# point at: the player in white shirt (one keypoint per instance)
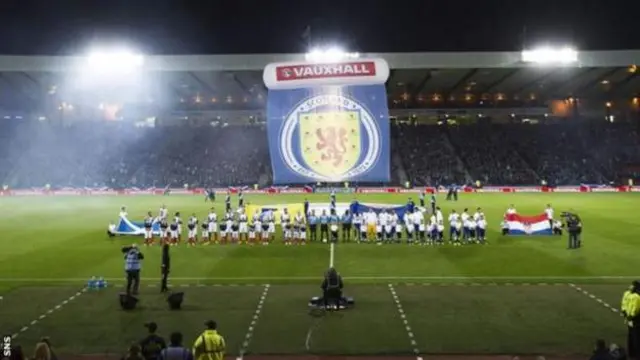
(111, 230)
(148, 229)
(478, 214)
(420, 226)
(364, 228)
(213, 225)
(393, 223)
(549, 212)
(235, 227)
(439, 216)
(123, 212)
(175, 235)
(299, 229)
(466, 225)
(458, 231)
(192, 225)
(432, 229)
(472, 230)
(504, 225)
(287, 230)
(357, 222)
(272, 225)
(243, 226)
(397, 226)
(178, 220)
(440, 225)
(225, 228)
(557, 227)
(251, 230)
(165, 230)
(454, 217)
(481, 230)
(380, 226)
(163, 213)
(511, 210)
(255, 227)
(385, 223)
(205, 231)
(408, 223)
(265, 227)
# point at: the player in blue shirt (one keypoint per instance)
(411, 206)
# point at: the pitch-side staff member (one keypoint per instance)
(210, 345)
(166, 266)
(132, 266)
(631, 310)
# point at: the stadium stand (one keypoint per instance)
(511, 123)
(116, 155)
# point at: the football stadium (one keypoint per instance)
(475, 205)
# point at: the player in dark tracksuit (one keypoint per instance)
(433, 203)
(227, 202)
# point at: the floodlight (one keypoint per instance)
(547, 55)
(114, 61)
(109, 70)
(330, 54)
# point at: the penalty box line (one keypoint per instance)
(595, 298)
(49, 312)
(254, 322)
(407, 326)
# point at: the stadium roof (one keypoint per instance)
(597, 74)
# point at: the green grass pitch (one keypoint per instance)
(517, 295)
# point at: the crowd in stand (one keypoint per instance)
(119, 155)
(210, 345)
(426, 156)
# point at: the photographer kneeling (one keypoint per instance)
(332, 288)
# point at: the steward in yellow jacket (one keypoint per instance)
(630, 309)
(209, 345)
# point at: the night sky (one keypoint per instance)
(29, 27)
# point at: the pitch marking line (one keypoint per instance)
(595, 298)
(331, 254)
(403, 316)
(548, 279)
(254, 322)
(49, 312)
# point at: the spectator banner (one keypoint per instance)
(328, 122)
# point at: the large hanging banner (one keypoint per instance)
(328, 122)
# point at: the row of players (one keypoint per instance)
(384, 226)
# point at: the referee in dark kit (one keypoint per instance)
(165, 267)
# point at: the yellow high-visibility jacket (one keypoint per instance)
(209, 346)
